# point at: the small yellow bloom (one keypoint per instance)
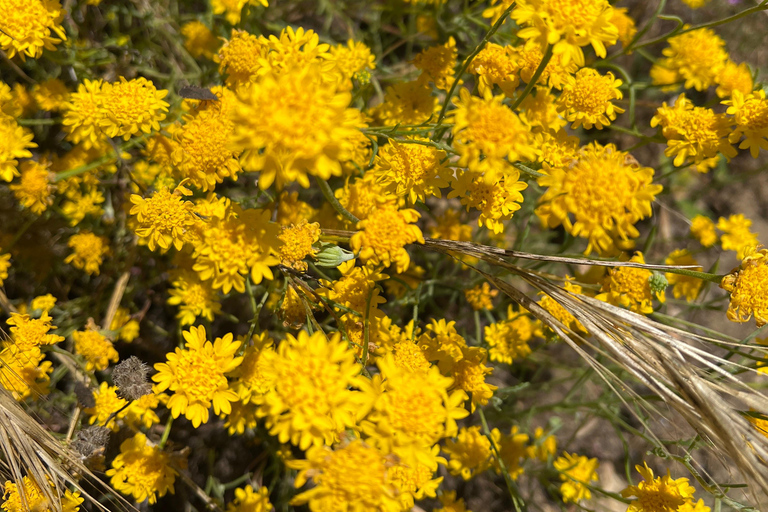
(568, 25)
(748, 286)
(88, 251)
(437, 64)
(248, 499)
(83, 113)
(34, 190)
(131, 107)
(15, 142)
(480, 296)
(28, 332)
(629, 287)
(196, 376)
(698, 56)
(29, 26)
(587, 99)
(508, 339)
(703, 230)
(734, 77)
(471, 453)
(97, 350)
(384, 235)
(736, 234)
(35, 499)
(351, 478)
(165, 219)
(298, 241)
(750, 112)
(199, 40)
(683, 286)
(659, 493)
(142, 470)
(576, 472)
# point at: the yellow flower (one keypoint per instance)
(586, 99)
(415, 482)
(471, 453)
(693, 132)
(142, 470)
(383, 236)
(697, 56)
(496, 65)
(83, 113)
(132, 106)
(248, 499)
(196, 298)
(292, 124)
(44, 303)
(34, 190)
(683, 286)
(736, 234)
(734, 77)
(29, 26)
(128, 328)
(203, 153)
(5, 264)
(451, 504)
(232, 8)
(695, 4)
(410, 411)
(88, 251)
(629, 287)
(255, 376)
(545, 445)
(78, 206)
(298, 240)
(555, 74)
(165, 219)
(243, 244)
(496, 9)
(352, 478)
(437, 64)
(407, 103)
(23, 371)
(239, 57)
(355, 288)
(599, 196)
(558, 311)
(353, 60)
(51, 95)
(703, 230)
(480, 296)
(365, 195)
(568, 25)
(28, 332)
(486, 131)
(107, 404)
(748, 287)
(512, 448)
(750, 112)
(625, 24)
(658, 494)
(495, 195)
(508, 339)
(199, 40)
(539, 111)
(311, 403)
(664, 74)
(576, 472)
(411, 169)
(97, 350)
(15, 142)
(34, 498)
(196, 376)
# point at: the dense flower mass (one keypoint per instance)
(424, 255)
(598, 196)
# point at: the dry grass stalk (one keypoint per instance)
(695, 382)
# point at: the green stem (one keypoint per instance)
(39, 122)
(535, 78)
(518, 503)
(166, 432)
(469, 59)
(706, 276)
(328, 194)
(99, 162)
